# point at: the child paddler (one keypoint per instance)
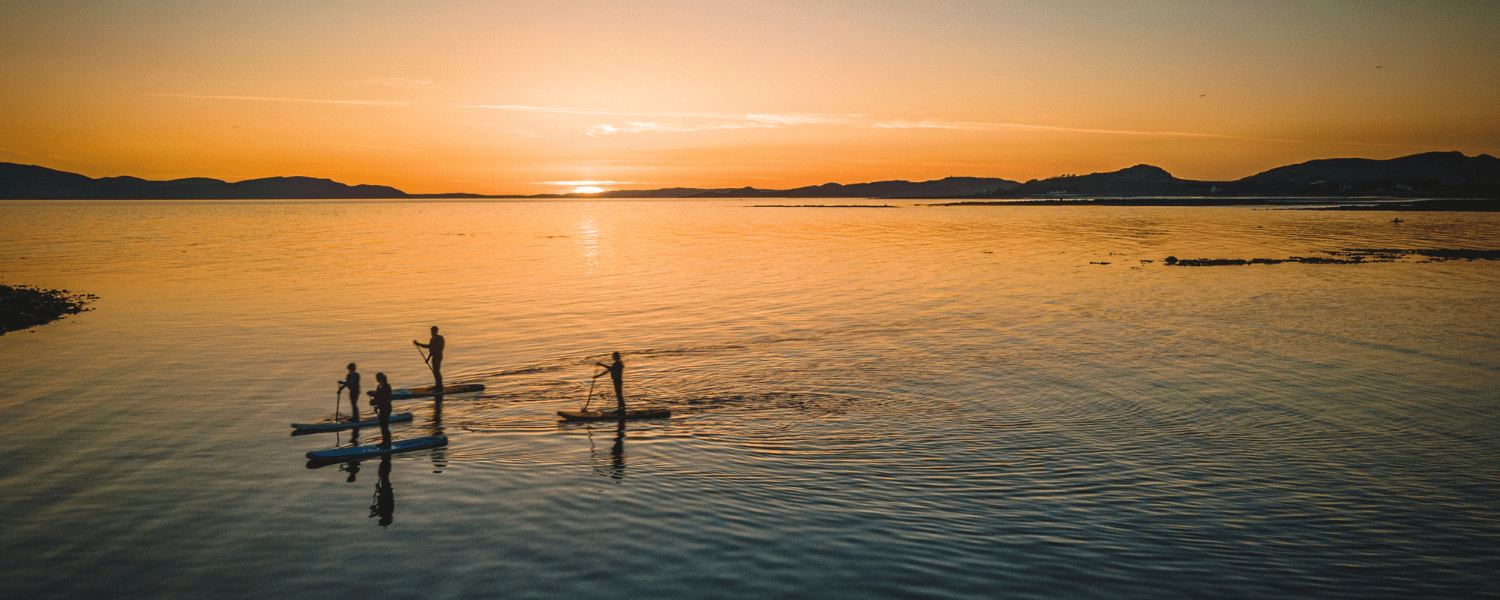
(351, 381)
(381, 400)
(616, 372)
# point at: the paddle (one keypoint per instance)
(426, 359)
(591, 393)
(336, 398)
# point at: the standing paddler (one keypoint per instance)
(435, 359)
(381, 400)
(617, 374)
(351, 381)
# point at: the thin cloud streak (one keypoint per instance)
(728, 121)
(380, 147)
(803, 119)
(640, 127)
(775, 121)
(271, 99)
(402, 82)
(974, 126)
(598, 111)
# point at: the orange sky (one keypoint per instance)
(535, 97)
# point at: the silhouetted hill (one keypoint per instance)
(948, 187)
(1432, 174)
(308, 187)
(40, 183)
(1429, 171)
(1140, 180)
(676, 192)
(1428, 174)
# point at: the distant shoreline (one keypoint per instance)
(1340, 204)
(1431, 175)
(1357, 203)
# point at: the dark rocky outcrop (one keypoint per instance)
(25, 307)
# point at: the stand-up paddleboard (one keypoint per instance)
(354, 452)
(431, 390)
(337, 425)
(630, 413)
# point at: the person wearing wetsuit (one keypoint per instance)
(351, 381)
(617, 373)
(435, 359)
(381, 400)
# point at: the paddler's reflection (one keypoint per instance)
(439, 454)
(617, 454)
(385, 496)
(352, 468)
(436, 426)
(616, 468)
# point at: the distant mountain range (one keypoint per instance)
(948, 187)
(40, 183)
(1429, 174)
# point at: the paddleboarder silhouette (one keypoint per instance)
(381, 400)
(435, 359)
(616, 372)
(351, 381)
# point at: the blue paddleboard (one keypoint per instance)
(337, 425)
(432, 390)
(353, 452)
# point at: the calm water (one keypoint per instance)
(869, 403)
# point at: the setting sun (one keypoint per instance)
(587, 189)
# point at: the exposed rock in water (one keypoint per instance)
(25, 307)
(1435, 253)
(1347, 256)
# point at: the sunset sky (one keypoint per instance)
(557, 96)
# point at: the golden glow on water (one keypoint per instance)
(906, 402)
